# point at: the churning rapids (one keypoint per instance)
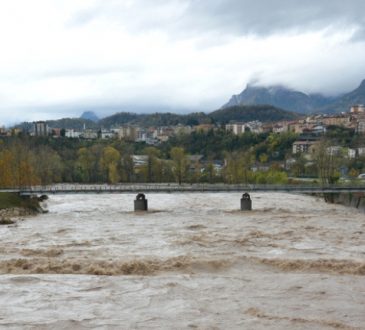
(192, 262)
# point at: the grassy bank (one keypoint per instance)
(13, 200)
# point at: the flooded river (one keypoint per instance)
(192, 262)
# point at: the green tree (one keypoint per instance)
(327, 163)
(84, 164)
(153, 168)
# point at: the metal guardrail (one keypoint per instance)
(172, 187)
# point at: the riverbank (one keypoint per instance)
(13, 205)
(356, 199)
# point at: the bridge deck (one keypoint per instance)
(191, 188)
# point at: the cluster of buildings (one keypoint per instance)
(242, 127)
(313, 125)
(311, 146)
(134, 133)
(310, 129)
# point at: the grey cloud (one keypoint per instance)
(265, 17)
(359, 35)
(236, 17)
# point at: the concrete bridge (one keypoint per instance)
(186, 188)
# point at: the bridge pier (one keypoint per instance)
(140, 203)
(246, 202)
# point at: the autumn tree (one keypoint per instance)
(110, 164)
(7, 174)
(238, 167)
(17, 166)
(180, 163)
(48, 165)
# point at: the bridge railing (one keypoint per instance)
(174, 187)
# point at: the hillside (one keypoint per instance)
(263, 113)
(154, 119)
(344, 103)
(280, 97)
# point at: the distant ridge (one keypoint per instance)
(344, 103)
(263, 113)
(280, 97)
(296, 101)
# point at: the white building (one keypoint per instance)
(361, 151)
(358, 108)
(236, 128)
(40, 128)
(70, 133)
(89, 134)
(254, 126)
(107, 134)
(302, 146)
(334, 150)
(351, 153)
(127, 132)
(360, 127)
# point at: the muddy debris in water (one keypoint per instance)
(298, 320)
(144, 267)
(196, 227)
(6, 221)
(333, 266)
(41, 252)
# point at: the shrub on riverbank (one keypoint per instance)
(29, 204)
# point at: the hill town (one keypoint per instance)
(237, 143)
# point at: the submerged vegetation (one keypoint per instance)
(13, 200)
(14, 205)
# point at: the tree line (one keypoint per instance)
(248, 158)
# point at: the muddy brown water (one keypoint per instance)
(193, 262)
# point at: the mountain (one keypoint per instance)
(90, 115)
(263, 113)
(280, 97)
(344, 103)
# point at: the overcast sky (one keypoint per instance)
(59, 58)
